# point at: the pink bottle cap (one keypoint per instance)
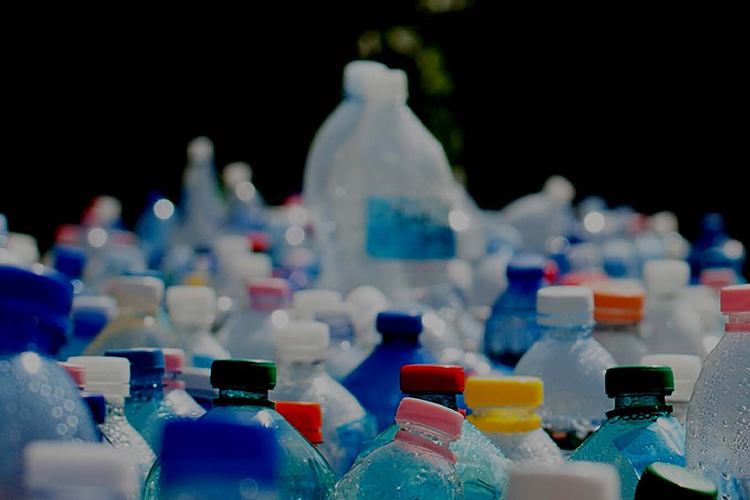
(174, 360)
(431, 415)
(76, 372)
(735, 299)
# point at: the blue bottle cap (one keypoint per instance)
(97, 406)
(400, 323)
(712, 223)
(70, 261)
(144, 361)
(87, 323)
(526, 267)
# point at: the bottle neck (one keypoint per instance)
(525, 286)
(507, 419)
(639, 404)
(425, 437)
(115, 406)
(294, 372)
(147, 387)
(267, 301)
(738, 323)
(171, 381)
(401, 341)
(567, 331)
(237, 397)
(447, 399)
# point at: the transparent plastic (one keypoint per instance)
(119, 433)
(622, 341)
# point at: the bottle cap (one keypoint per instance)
(191, 305)
(367, 297)
(144, 361)
(236, 173)
(228, 245)
(526, 267)
(432, 415)
(503, 391)
(97, 406)
(174, 360)
(718, 279)
(564, 305)
(559, 188)
(735, 299)
(275, 287)
(103, 303)
(622, 380)
(308, 302)
(665, 278)
(586, 277)
(660, 480)
(76, 372)
(243, 374)
(685, 369)
(200, 150)
(70, 261)
(392, 84)
(107, 375)
(249, 266)
(359, 74)
(570, 481)
(302, 341)
(307, 418)
(141, 293)
(400, 323)
(432, 378)
(25, 246)
(618, 301)
(712, 223)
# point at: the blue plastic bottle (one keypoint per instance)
(640, 430)
(146, 409)
(70, 261)
(712, 235)
(90, 314)
(375, 383)
(38, 400)
(417, 464)
(511, 328)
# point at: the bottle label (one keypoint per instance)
(659, 442)
(409, 229)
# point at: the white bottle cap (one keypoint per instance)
(24, 246)
(560, 189)
(200, 150)
(302, 341)
(248, 266)
(359, 74)
(571, 481)
(141, 293)
(107, 210)
(663, 223)
(564, 305)
(366, 298)
(665, 278)
(227, 246)
(236, 173)
(108, 375)
(392, 85)
(104, 303)
(52, 464)
(307, 303)
(191, 305)
(686, 369)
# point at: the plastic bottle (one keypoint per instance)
(198, 385)
(307, 418)
(661, 480)
(570, 481)
(511, 328)
(250, 333)
(243, 268)
(618, 310)
(177, 397)
(81, 471)
(704, 301)
(245, 205)
(156, 228)
(718, 420)
(685, 369)
(640, 429)
(375, 383)
(71, 261)
(90, 314)
(110, 376)
(670, 326)
(571, 363)
(712, 235)
(38, 399)
(138, 322)
(76, 372)
(24, 246)
(416, 464)
(503, 408)
(201, 208)
(146, 409)
(191, 312)
(301, 348)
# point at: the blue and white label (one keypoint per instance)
(409, 229)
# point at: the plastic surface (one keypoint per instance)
(735, 299)
(572, 481)
(105, 374)
(665, 277)
(76, 372)
(504, 391)
(141, 293)
(623, 380)
(439, 418)
(686, 370)
(307, 303)
(564, 305)
(243, 374)
(191, 305)
(434, 378)
(669, 481)
(305, 417)
(302, 341)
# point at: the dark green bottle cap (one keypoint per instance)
(243, 374)
(665, 481)
(622, 380)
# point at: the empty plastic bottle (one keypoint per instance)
(38, 399)
(571, 363)
(78, 471)
(718, 420)
(90, 314)
(110, 376)
(416, 464)
(511, 328)
(202, 212)
(503, 408)
(301, 348)
(191, 311)
(307, 418)
(685, 369)
(177, 397)
(146, 409)
(661, 480)
(618, 310)
(375, 383)
(570, 481)
(640, 430)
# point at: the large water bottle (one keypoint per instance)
(504, 409)
(301, 348)
(718, 420)
(511, 328)
(571, 481)
(177, 397)
(640, 430)
(661, 480)
(685, 369)
(416, 464)
(110, 377)
(146, 409)
(202, 212)
(618, 310)
(191, 311)
(375, 383)
(90, 314)
(571, 363)
(38, 400)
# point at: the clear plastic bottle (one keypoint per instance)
(618, 309)
(110, 376)
(416, 464)
(301, 348)
(242, 268)
(38, 400)
(245, 205)
(375, 383)
(661, 480)
(570, 481)
(177, 397)
(571, 363)
(503, 408)
(146, 409)
(718, 420)
(686, 370)
(192, 310)
(202, 211)
(640, 429)
(511, 328)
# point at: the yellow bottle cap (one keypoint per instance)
(503, 391)
(504, 421)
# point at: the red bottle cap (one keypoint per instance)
(76, 372)
(307, 418)
(437, 378)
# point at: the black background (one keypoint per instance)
(643, 108)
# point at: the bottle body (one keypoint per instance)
(249, 335)
(622, 341)
(129, 332)
(148, 411)
(670, 326)
(119, 433)
(200, 346)
(511, 329)
(533, 446)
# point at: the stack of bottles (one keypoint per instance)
(379, 336)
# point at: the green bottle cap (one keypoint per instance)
(255, 375)
(666, 481)
(639, 380)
